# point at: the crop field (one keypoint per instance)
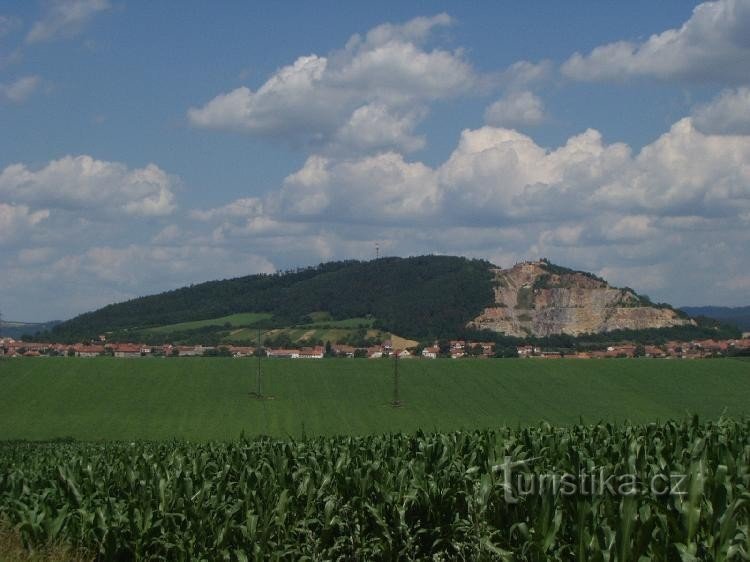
(206, 399)
(674, 491)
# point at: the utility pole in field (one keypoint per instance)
(259, 390)
(396, 395)
(259, 351)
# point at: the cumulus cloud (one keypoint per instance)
(65, 18)
(515, 110)
(380, 80)
(16, 220)
(711, 46)
(374, 127)
(728, 113)
(383, 187)
(20, 90)
(685, 172)
(81, 182)
(498, 175)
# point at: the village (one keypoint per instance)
(454, 349)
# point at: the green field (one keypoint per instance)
(241, 328)
(202, 399)
(233, 320)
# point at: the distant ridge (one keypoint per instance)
(16, 330)
(737, 316)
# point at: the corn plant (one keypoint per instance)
(440, 496)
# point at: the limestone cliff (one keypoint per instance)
(541, 299)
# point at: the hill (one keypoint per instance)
(418, 297)
(737, 316)
(16, 330)
(421, 298)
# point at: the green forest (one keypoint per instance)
(418, 297)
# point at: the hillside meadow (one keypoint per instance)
(206, 399)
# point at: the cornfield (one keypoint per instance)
(443, 496)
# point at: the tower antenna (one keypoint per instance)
(377, 250)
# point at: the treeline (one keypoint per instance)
(419, 297)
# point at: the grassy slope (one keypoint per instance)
(207, 398)
(237, 320)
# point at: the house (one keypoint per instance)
(374, 353)
(431, 352)
(654, 351)
(126, 350)
(189, 351)
(88, 350)
(241, 351)
(528, 350)
(402, 353)
(316, 352)
(344, 350)
(283, 353)
(457, 345)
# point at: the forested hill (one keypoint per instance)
(738, 316)
(427, 296)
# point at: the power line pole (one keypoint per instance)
(259, 351)
(396, 395)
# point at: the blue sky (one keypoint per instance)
(146, 146)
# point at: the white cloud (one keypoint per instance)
(135, 264)
(81, 182)
(65, 18)
(381, 80)
(522, 74)
(20, 90)
(710, 46)
(684, 179)
(728, 113)
(376, 188)
(685, 172)
(373, 127)
(16, 220)
(240, 208)
(515, 109)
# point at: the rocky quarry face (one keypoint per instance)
(541, 299)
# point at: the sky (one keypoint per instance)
(148, 146)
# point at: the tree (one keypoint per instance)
(445, 348)
(329, 349)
